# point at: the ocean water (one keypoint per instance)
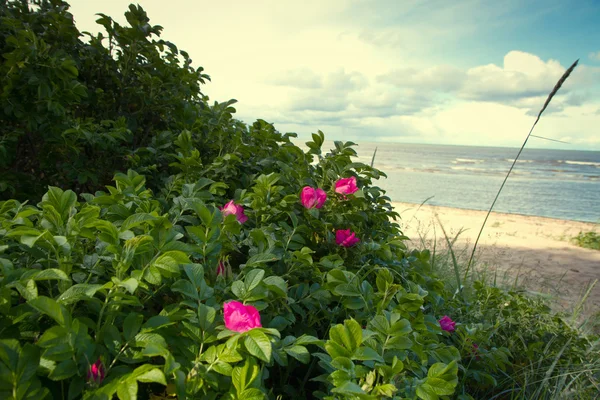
(562, 184)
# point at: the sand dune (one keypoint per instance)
(537, 250)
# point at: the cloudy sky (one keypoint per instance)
(420, 71)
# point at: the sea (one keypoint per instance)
(563, 184)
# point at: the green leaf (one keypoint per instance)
(50, 274)
(276, 285)
(243, 376)
(347, 289)
(252, 394)
(131, 325)
(169, 262)
(155, 375)
(426, 392)
(158, 321)
(195, 273)
(223, 368)
(261, 258)
(206, 316)
(239, 289)
(253, 278)
(63, 370)
(29, 361)
(51, 308)
(367, 354)
(258, 344)
(300, 353)
(28, 291)
(127, 390)
(78, 292)
(130, 284)
(185, 287)
(136, 220)
(61, 201)
(307, 339)
(349, 388)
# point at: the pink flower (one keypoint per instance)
(346, 186)
(238, 211)
(240, 318)
(447, 324)
(312, 197)
(221, 269)
(96, 372)
(346, 238)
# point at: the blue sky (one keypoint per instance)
(451, 72)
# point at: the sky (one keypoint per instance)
(466, 72)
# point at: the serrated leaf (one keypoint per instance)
(78, 292)
(276, 284)
(195, 273)
(243, 376)
(239, 289)
(253, 279)
(185, 287)
(258, 344)
(49, 274)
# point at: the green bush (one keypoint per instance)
(128, 291)
(589, 240)
(73, 112)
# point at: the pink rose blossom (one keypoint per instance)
(447, 324)
(238, 211)
(312, 197)
(220, 269)
(239, 317)
(96, 372)
(346, 186)
(346, 238)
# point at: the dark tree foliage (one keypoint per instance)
(76, 107)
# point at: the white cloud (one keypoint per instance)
(384, 70)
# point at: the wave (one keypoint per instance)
(519, 161)
(595, 164)
(468, 160)
(470, 169)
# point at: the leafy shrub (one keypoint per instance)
(74, 111)
(122, 279)
(589, 240)
(150, 287)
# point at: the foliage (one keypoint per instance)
(122, 292)
(589, 240)
(75, 111)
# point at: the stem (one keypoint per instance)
(550, 96)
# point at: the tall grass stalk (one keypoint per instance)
(550, 96)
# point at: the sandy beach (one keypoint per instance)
(537, 250)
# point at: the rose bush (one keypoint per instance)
(213, 275)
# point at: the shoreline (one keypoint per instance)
(534, 251)
(417, 205)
